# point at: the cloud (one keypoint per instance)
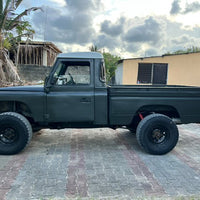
(181, 40)
(132, 47)
(77, 25)
(149, 32)
(106, 41)
(84, 5)
(175, 7)
(192, 7)
(26, 4)
(59, 2)
(111, 29)
(151, 52)
(189, 7)
(73, 24)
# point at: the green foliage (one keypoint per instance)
(23, 29)
(7, 44)
(94, 48)
(12, 26)
(111, 62)
(192, 49)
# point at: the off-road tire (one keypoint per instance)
(157, 134)
(15, 133)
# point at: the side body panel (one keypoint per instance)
(34, 99)
(125, 101)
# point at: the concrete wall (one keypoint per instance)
(119, 74)
(182, 69)
(33, 73)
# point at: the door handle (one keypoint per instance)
(85, 100)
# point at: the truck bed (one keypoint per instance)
(125, 101)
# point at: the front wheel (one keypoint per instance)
(15, 133)
(157, 134)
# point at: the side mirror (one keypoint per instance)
(46, 80)
(53, 80)
(47, 85)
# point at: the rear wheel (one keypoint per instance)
(15, 133)
(157, 134)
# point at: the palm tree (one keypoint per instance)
(11, 21)
(94, 48)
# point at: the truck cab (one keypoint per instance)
(77, 84)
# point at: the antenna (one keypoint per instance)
(45, 22)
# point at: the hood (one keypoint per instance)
(31, 88)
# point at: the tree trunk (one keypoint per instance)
(8, 71)
(2, 74)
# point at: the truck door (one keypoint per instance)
(71, 96)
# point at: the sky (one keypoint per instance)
(127, 28)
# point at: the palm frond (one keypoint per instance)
(17, 3)
(16, 20)
(4, 14)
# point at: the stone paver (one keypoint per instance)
(101, 164)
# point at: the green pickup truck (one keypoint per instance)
(75, 95)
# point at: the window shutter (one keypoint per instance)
(144, 73)
(160, 73)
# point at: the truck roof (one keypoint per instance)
(80, 55)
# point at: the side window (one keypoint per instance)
(72, 73)
(103, 72)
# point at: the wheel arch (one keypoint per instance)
(167, 110)
(18, 107)
(146, 110)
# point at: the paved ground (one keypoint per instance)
(101, 163)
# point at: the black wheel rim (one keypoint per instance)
(8, 135)
(158, 135)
